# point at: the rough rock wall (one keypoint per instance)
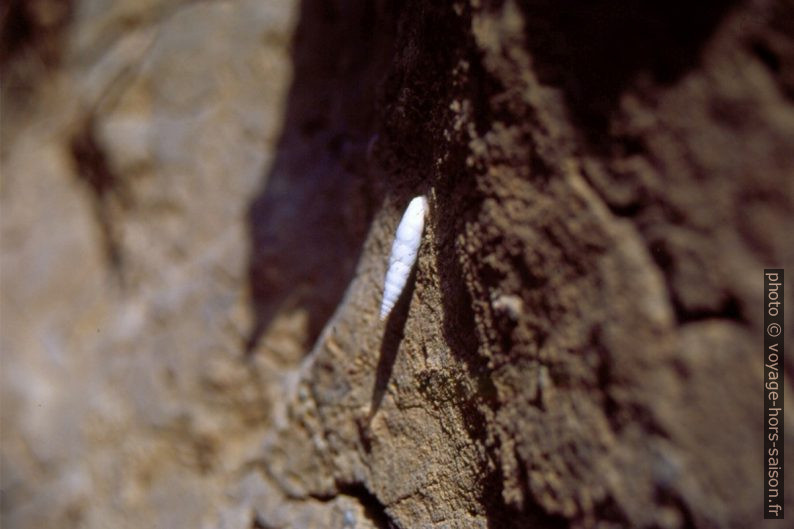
(198, 199)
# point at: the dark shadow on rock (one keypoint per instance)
(594, 50)
(307, 225)
(392, 336)
(481, 406)
(458, 203)
(24, 26)
(109, 193)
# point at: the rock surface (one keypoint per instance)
(197, 201)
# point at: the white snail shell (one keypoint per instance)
(403, 253)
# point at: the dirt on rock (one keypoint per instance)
(198, 200)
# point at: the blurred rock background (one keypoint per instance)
(197, 200)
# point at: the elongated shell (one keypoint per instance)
(403, 253)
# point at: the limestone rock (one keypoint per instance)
(197, 201)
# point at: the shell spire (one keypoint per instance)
(403, 253)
